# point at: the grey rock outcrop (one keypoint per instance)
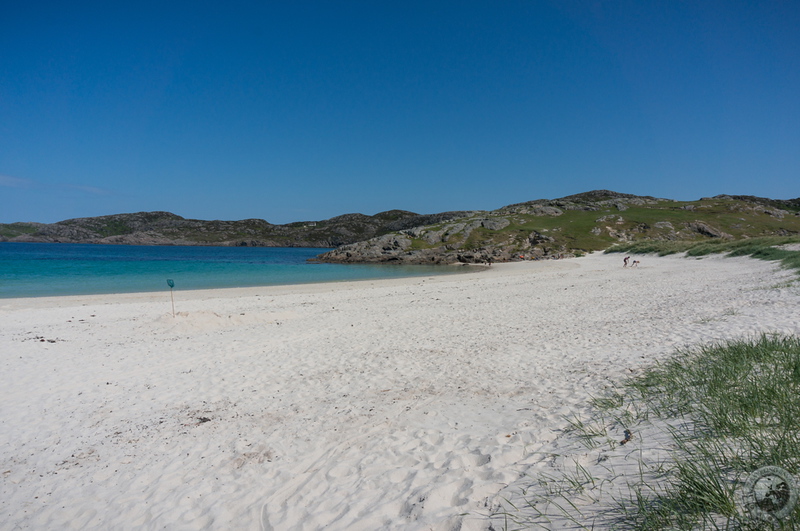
(386, 248)
(495, 224)
(707, 230)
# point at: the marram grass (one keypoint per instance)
(765, 248)
(730, 409)
(744, 400)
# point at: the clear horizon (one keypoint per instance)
(311, 110)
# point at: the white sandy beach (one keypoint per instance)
(400, 404)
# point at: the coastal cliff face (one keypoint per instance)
(540, 229)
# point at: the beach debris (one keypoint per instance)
(628, 437)
(42, 339)
(203, 419)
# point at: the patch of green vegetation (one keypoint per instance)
(478, 238)
(113, 227)
(744, 399)
(418, 244)
(572, 229)
(765, 248)
(12, 230)
(732, 217)
(728, 410)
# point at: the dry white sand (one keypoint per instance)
(399, 404)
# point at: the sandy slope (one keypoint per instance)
(402, 404)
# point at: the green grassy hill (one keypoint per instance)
(578, 224)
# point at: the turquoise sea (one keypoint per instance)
(48, 269)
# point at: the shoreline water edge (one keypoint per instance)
(50, 269)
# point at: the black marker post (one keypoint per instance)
(171, 285)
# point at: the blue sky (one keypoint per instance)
(292, 111)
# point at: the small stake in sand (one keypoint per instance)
(171, 285)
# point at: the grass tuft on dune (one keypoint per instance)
(770, 248)
(714, 415)
(743, 400)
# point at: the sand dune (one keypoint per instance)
(399, 404)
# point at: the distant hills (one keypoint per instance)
(535, 229)
(165, 228)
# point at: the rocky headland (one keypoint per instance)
(572, 226)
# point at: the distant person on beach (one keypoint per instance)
(635, 263)
(625, 261)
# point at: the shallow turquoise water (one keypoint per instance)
(47, 269)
